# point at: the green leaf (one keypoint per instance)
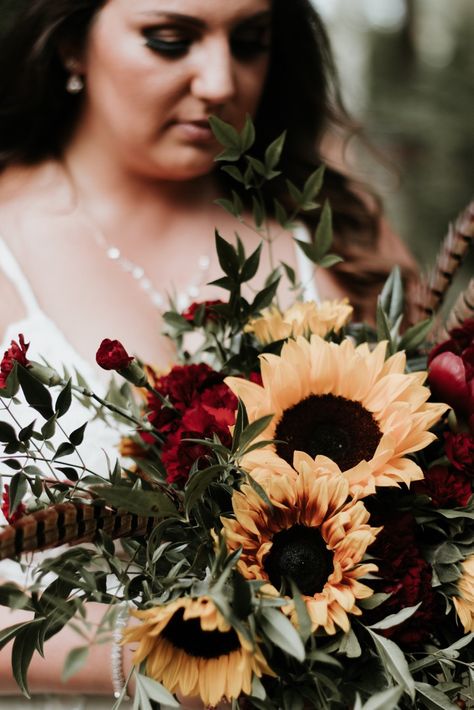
(416, 335)
(391, 296)
(74, 662)
(76, 437)
(257, 165)
(27, 431)
(350, 645)
(313, 184)
(434, 698)
(247, 137)
(384, 700)
(17, 490)
(36, 394)
(64, 400)
(329, 260)
(242, 596)
(49, 428)
(394, 662)
(235, 173)
(304, 619)
(22, 652)
(251, 265)
(290, 273)
(265, 297)
(226, 134)
(156, 691)
(383, 327)
(273, 152)
(258, 212)
(228, 258)
(7, 634)
(280, 213)
(323, 236)
(279, 629)
(7, 433)
(138, 502)
(64, 449)
(252, 431)
(396, 619)
(197, 484)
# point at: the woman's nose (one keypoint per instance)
(214, 78)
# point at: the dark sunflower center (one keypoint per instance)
(300, 554)
(189, 636)
(333, 426)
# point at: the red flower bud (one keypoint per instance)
(15, 353)
(447, 378)
(460, 451)
(111, 355)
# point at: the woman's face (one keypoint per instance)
(156, 69)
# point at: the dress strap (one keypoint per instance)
(12, 270)
(306, 268)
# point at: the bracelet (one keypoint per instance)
(116, 654)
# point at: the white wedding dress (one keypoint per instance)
(47, 341)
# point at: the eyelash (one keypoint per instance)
(243, 49)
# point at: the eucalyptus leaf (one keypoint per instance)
(323, 236)
(395, 619)
(279, 629)
(17, 491)
(394, 661)
(64, 399)
(74, 662)
(385, 699)
(137, 502)
(156, 691)
(274, 151)
(434, 698)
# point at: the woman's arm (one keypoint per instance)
(44, 675)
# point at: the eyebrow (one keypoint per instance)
(198, 23)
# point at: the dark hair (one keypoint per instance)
(301, 96)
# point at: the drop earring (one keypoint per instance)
(75, 83)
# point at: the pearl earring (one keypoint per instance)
(75, 83)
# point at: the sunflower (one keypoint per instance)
(313, 534)
(464, 603)
(190, 648)
(344, 402)
(300, 319)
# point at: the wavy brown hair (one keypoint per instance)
(301, 96)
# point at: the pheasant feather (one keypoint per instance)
(70, 523)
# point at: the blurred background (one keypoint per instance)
(407, 73)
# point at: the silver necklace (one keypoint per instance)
(159, 298)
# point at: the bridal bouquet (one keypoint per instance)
(294, 497)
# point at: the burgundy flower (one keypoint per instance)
(179, 455)
(406, 576)
(210, 314)
(111, 355)
(15, 353)
(20, 509)
(446, 487)
(460, 451)
(181, 386)
(451, 371)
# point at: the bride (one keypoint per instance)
(108, 184)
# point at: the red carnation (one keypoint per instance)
(446, 487)
(111, 355)
(180, 387)
(406, 576)
(179, 455)
(451, 371)
(20, 509)
(460, 451)
(15, 353)
(209, 315)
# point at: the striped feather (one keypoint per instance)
(70, 523)
(462, 310)
(431, 291)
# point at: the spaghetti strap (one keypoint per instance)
(306, 267)
(12, 270)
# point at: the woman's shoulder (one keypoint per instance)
(30, 186)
